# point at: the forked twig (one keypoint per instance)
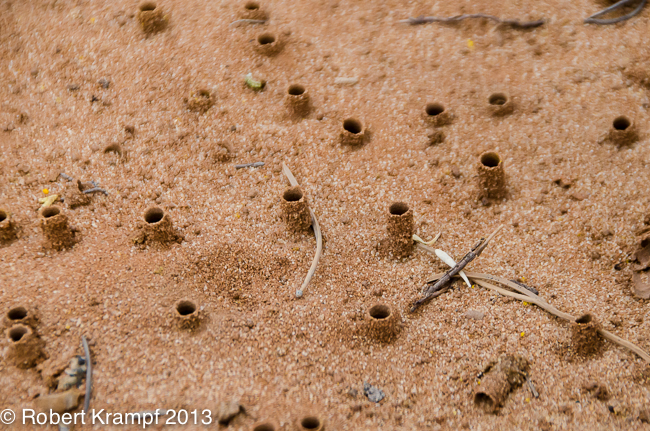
(513, 23)
(89, 374)
(446, 278)
(594, 20)
(317, 233)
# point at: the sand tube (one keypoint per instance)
(622, 132)
(353, 133)
(436, 115)
(253, 10)
(265, 426)
(152, 19)
(20, 315)
(56, 231)
(25, 348)
(295, 209)
(500, 104)
(310, 423)
(491, 176)
(187, 314)
(7, 227)
(268, 44)
(297, 101)
(157, 227)
(382, 322)
(400, 227)
(585, 335)
(500, 379)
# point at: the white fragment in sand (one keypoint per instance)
(346, 81)
(451, 262)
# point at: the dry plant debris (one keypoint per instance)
(530, 297)
(512, 23)
(317, 233)
(593, 19)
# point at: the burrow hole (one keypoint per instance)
(621, 123)
(265, 39)
(498, 99)
(16, 334)
(51, 212)
(310, 423)
(434, 109)
(293, 194)
(154, 215)
(398, 208)
(296, 90)
(17, 313)
(352, 125)
(490, 160)
(379, 312)
(147, 6)
(185, 308)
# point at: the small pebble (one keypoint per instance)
(374, 394)
(474, 314)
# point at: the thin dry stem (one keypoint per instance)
(89, 374)
(317, 233)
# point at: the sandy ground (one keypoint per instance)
(282, 357)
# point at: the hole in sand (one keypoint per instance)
(491, 160)
(296, 90)
(398, 208)
(204, 93)
(154, 215)
(3, 215)
(252, 5)
(185, 308)
(265, 39)
(310, 423)
(51, 212)
(484, 400)
(352, 125)
(584, 319)
(147, 6)
(17, 333)
(498, 99)
(379, 312)
(17, 313)
(621, 123)
(433, 109)
(264, 427)
(292, 195)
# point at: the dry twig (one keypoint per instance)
(594, 20)
(446, 278)
(248, 21)
(89, 374)
(317, 233)
(513, 23)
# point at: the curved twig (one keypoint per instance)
(508, 22)
(89, 374)
(317, 233)
(593, 20)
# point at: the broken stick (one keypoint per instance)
(446, 278)
(89, 374)
(513, 23)
(317, 233)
